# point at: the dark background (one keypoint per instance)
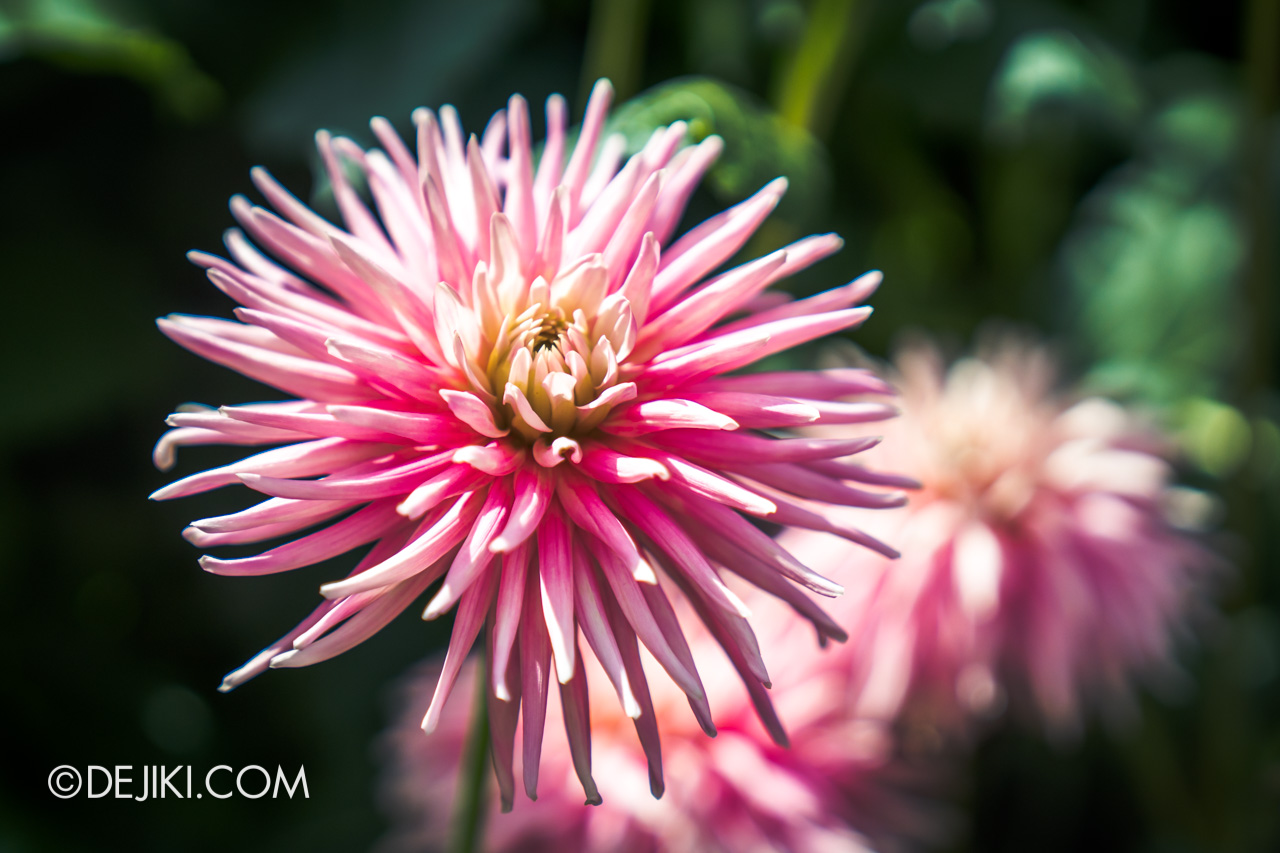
(1102, 171)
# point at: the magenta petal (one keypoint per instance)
(681, 184)
(645, 718)
(577, 727)
(575, 174)
(450, 482)
(802, 482)
(473, 411)
(296, 460)
(421, 427)
(416, 380)
(535, 670)
(747, 537)
(165, 453)
(368, 524)
(669, 625)
(657, 415)
(555, 571)
(474, 555)
(319, 424)
(585, 509)
(364, 624)
(712, 243)
(742, 448)
(703, 483)
(506, 617)
(667, 535)
(765, 576)
(594, 620)
(532, 496)
(754, 680)
(497, 459)
(852, 413)
(274, 511)
(757, 411)
(466, 627)
(700, 311)
(382, 482)
(738, 349)
(430, 545)
(795, 515)
(260, 662)
(608, 466)
(293, 374)
(845, 470)
(833, 300)
(519, 201)
(503, 717)
(632, 602)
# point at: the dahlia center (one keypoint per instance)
(545, 356)
(550, 331)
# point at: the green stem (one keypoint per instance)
(473, 774)
(813, 79)
(615, 45)
(1262, 63)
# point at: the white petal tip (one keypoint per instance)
(643, 573)
(332, 590)
(439, 605)
(230, 682)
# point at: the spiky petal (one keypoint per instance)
(514, 390)
(843, 783)
(1041, 567)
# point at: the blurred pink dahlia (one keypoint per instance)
(840, 786)
(513, 383)
(1040, 565)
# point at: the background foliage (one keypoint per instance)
(1103, 171)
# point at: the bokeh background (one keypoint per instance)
(1103, 172)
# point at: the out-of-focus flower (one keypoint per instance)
(838, 787)
(1039, 563)
(513, 382)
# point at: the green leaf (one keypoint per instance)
(84, 36)
(758, 144)
(1154, 258)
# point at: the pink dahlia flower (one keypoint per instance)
(1039, 563)
(839, 787)
(512, 382)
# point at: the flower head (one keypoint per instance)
(512, 383)
(1039, 563)
(839, 786)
